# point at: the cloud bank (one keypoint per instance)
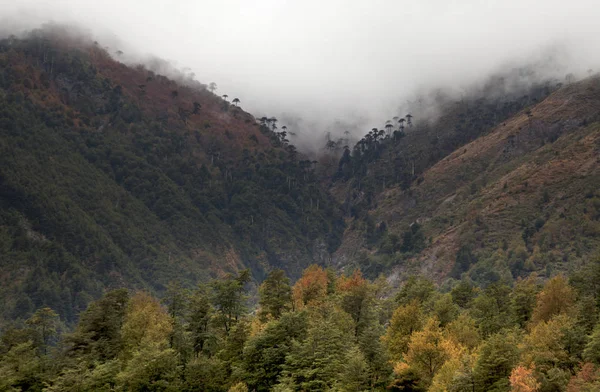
(346, 62)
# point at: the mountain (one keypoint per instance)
(114, 175)
(520, 195)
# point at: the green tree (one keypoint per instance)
(44, 322)
(229, 299)
(200, 314)
(491, 309)
(416, 288)
(317, 362)
(98, 333)
(265, 353)
(522, 300)
(275, 295)
(463, 293)
(354, 375)
(592, 349)
(498, 355)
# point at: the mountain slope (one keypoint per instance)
(116, 176)
(522, 198)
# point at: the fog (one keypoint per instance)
(328, 64)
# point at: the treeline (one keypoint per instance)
(326, 332)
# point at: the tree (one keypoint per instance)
(491, 309)
(354, 372)
(463, 331)
(416, 288)
(522, 379)
(229, 299)
(239, 387)
(146, 322)
(98, 333)
(592, 349)
(225, 96)
(315, 364)
(409, 120)
(150, 364)
(265, 353)
(428, 350)
(206, 374)
(522, 300)
(21, 369)
(174, 94)
(312, 286)
(388, 127)
(212, 87)
(197, 107)
(544, 346)
(200, 314)
(236, 101)
(557, 297)
(356, 299)
(44, 322)
(498, 355)
(463, 293)
(445, 310)
(273, 122)
(275, 295)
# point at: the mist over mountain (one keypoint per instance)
(338, 62)
(235, 196)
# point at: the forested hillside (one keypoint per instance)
(114, 176)
(327, 332)
(493, 193)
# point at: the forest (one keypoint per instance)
(114, 176)
(326, 332)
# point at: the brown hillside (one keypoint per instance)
(536, 173)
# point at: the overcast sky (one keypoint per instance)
(329, 59)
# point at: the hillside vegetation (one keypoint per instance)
(115, 176)
(522, 197)
(327, 332)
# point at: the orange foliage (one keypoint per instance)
(312, 286)
(585, 378)
(350, 283)
(523, 380)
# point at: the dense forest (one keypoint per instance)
(115, 176)
(156, 237)
(327, 332)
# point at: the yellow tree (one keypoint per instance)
(428, 350)
(557, 297)
(406, 320)
(544, 347)
(463, 331)
(147, 359)
(146, 321)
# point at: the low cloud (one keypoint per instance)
(337, 65)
